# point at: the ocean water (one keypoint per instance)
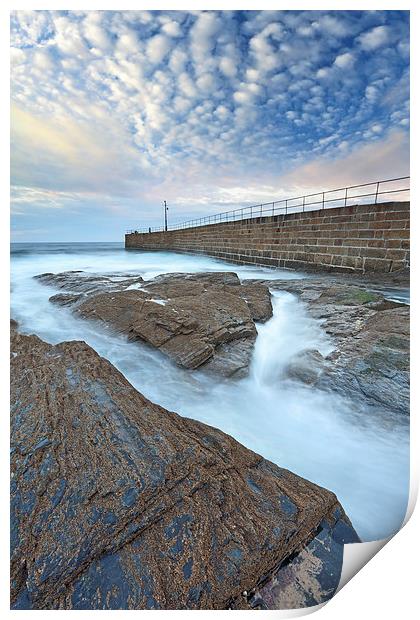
(330, 440)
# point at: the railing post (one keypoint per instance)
(345, 198)
(323, 200)
(273, 210)
(303, 206)
(251, 214)
(286, 207)
(377, 190)
(261, 212)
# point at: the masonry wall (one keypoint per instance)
(361, 238)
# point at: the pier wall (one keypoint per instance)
(358, 238)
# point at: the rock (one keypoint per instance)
(306, 366)
(120, 504)
(347, 296)
(65, 299)
(308, 578)
(377, 363)
(371, 338)
(88, 283)
(258, 298)
(198, 320)
(231, 359)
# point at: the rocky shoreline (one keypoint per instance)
(371, 338)
(118, 503)
(198, 320)
(207, 321)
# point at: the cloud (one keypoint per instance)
(334, 26)
(263, 47)
(127, 43)
(323, 72)
(112, 104)
(344, 61)
(26, 197)
(371, 93)
(377, 37)
(243, 97)
(70, 156)
(94, 33)
(43, 60)
(228, 66)
(157, 48)
(68, 38)
(186, 85)
(172, 29)
(202, 36)
(388, 158)
(30, 27)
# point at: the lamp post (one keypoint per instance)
(166, 215)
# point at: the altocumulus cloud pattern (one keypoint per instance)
(204, 109)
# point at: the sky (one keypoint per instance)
(114, 112)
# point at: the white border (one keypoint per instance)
(386, 587)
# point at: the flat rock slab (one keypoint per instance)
(204, 319)
(120, 504)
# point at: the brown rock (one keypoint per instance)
(258, 298)
(120, 504)
(195, 319)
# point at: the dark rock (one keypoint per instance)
(196, 319)
(309, 577)
(120, 504)
(65, 299)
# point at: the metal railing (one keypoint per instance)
(310, 202)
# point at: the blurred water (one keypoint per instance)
(364, 459)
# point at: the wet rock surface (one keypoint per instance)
(201, 320)
(309, 577)
(306, 366)
(120, 504)
(371, 336)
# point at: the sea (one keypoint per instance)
(326, 438)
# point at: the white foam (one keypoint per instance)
(161, 302)
(136, 287)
